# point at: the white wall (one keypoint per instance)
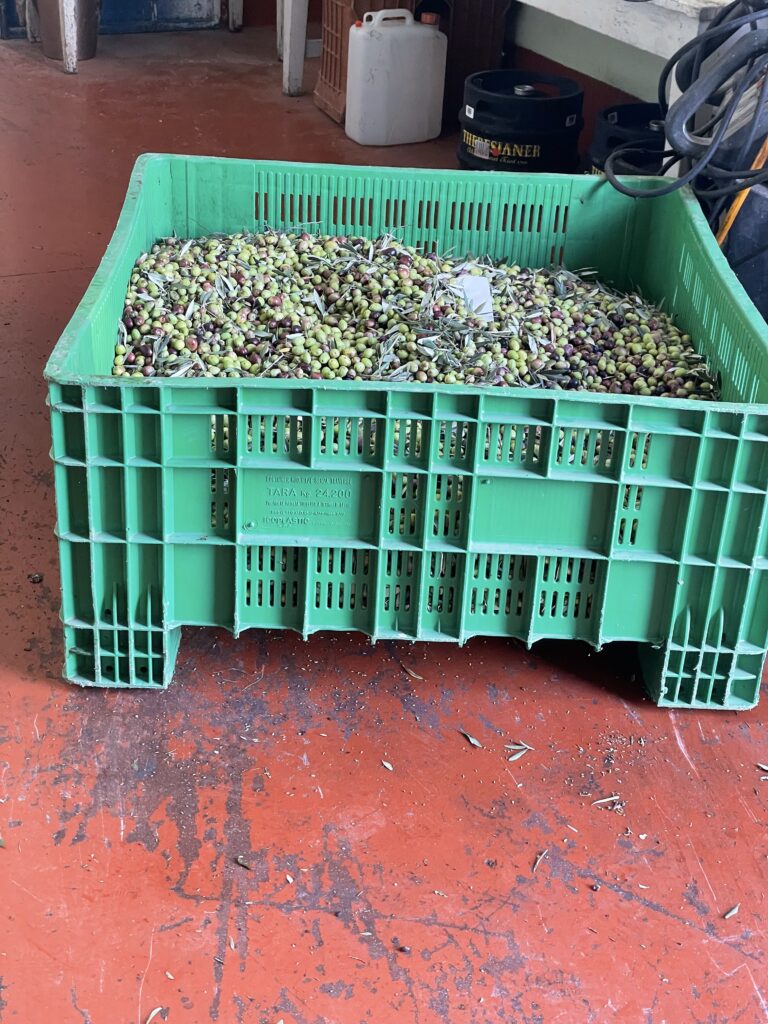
(620, 65)
(623, 44)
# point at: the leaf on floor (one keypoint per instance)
(520, 750)
(471, 739)
(539, 859)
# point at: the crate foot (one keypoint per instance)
(709, 677)
(120, 658)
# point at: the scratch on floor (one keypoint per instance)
(122, 814)
(743, 966)
(661, 812)
(704, 873)
(748, 809)
(681, 744)
(104, 836)
(144, 973)
(758, 993)
(24, 889)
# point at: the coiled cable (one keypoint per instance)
(718, 68)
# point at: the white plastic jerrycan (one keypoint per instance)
(395, 80)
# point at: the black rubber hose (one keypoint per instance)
(720, 32)
(715, 175)
(754, 45)
(689, 176)
(688, 67)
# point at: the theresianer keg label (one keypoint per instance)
(496, 149)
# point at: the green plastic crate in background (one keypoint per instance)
(419, 512)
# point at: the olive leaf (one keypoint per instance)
(539, 859)
(520, 750)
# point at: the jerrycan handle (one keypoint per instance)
(388, 18)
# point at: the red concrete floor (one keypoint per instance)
(234, 849)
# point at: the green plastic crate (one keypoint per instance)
(418, 512)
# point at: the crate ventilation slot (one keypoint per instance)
(513, 444)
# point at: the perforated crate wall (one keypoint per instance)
(425, 513)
